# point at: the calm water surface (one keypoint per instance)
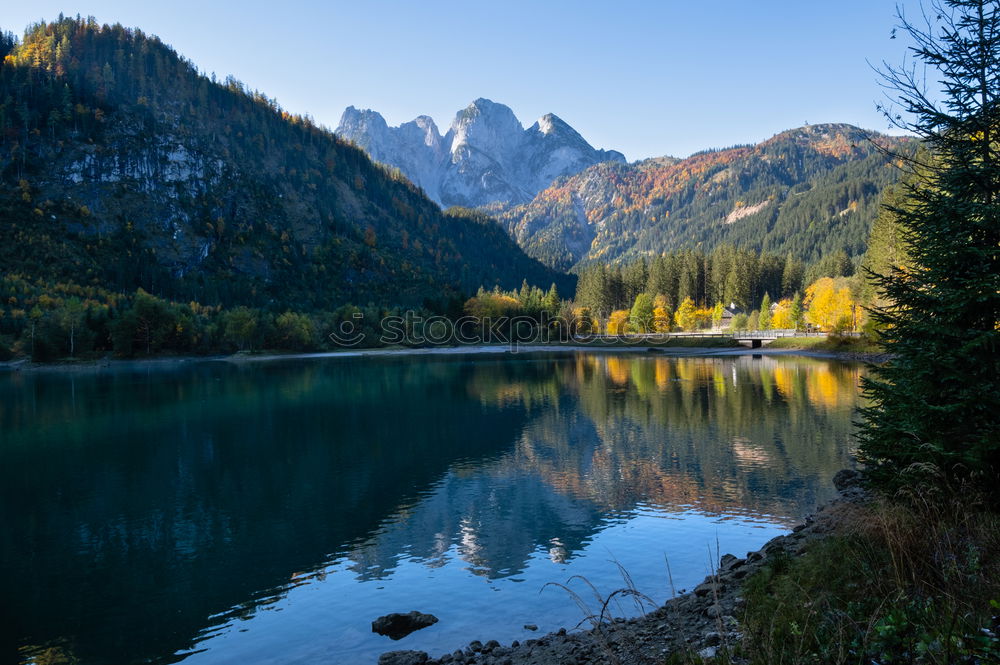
(267, 512)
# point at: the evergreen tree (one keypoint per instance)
(551, 301)
(936, 401)
(791, 276)
(795, 312)
(836, 264)
(634, 278)
(886, 249)
(687, 286)
(525, 293)
(764, 322)
(659, 279)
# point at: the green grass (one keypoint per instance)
(897, 582)
(838, 344)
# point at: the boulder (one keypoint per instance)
(403, 658)
(730, 562)
(397, 626)
(706, 588)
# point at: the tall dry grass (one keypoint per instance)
(912, 578)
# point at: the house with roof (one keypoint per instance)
(727, 316)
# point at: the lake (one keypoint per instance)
(216, 512)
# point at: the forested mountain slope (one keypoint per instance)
(122, 166)
(809, 191)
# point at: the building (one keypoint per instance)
(727, 315)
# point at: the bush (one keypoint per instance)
(295, 332)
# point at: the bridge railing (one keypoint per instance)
(717, 334)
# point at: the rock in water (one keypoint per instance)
(397, 626)
(403, 657)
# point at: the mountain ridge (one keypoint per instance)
(809, 190)
(123, 166)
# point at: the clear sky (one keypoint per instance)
(649, 77)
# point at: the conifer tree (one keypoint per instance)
(795, 312)
(764, 323)
(936, 402)
(551, 301)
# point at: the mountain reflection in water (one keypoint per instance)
(271, 511)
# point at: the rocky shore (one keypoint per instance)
(701, 624)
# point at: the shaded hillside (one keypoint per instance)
(809, 191)
(124, 167)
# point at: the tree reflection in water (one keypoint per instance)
(143, 510)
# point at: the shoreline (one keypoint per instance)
(169, 362)
(700, 624)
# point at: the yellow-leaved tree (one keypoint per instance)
(686, 315)
(702, 318)
(618, 322)
(661, 314)
(830, 304)
(781, 319)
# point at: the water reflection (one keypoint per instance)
(145, 512)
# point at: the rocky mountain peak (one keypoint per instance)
(423, 129)
(550, 123)
(486, 157)
(489, 109)
(487, 127)
(362, 125)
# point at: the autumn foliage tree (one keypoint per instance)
(661, 314)
(830, 304)
(782, 318)
(686, 315)
(618, 323)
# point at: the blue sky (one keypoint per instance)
(645, 77)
